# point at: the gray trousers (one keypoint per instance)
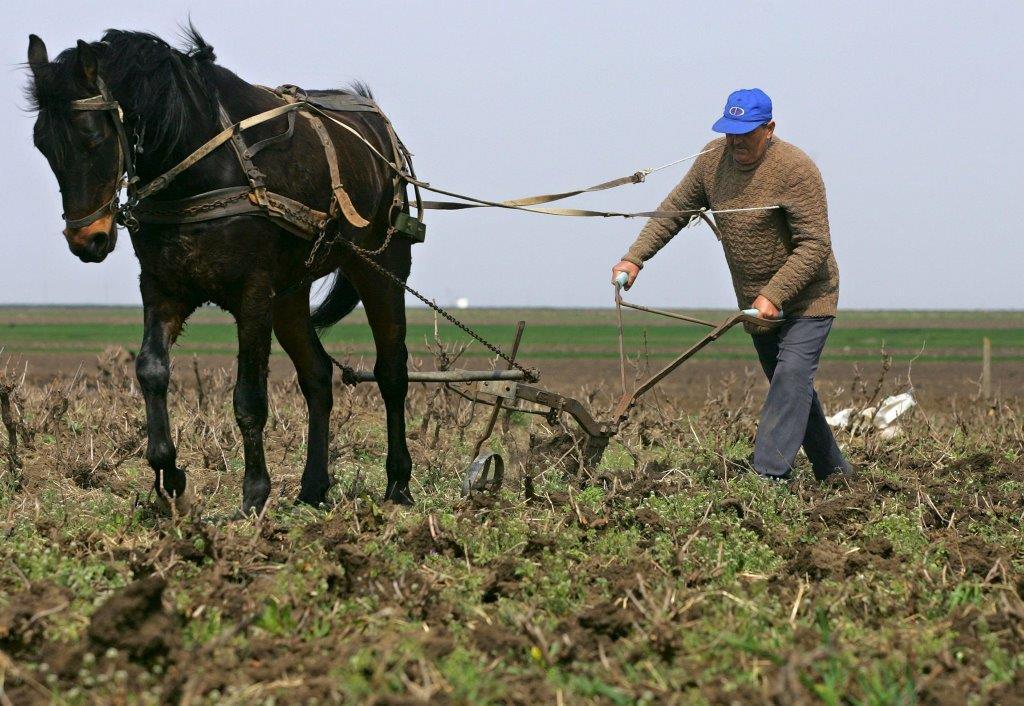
(792, 415)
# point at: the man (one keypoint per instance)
(781, 261)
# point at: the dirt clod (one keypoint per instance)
(23, 621)
(134, 620)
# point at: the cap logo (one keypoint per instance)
(736, 111)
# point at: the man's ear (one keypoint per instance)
(770, 127)
(37, 57)
(89, 61)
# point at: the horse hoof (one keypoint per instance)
(175, 505)
(399, 497)
(253, 509)
(312, 499)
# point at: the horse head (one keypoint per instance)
(77, 130)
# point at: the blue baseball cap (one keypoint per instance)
(745, 110)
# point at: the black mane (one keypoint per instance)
(164, 84)
(165, 87)
(150, 77)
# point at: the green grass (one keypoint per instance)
(588, 333)
(689, 584)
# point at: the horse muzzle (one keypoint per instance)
(93, 242)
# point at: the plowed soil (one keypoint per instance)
(663, 574)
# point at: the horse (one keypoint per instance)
(130, 107)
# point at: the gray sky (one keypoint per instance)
(902, 105)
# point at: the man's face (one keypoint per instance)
(748, 149)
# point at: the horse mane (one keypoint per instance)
(161, 83)
(151, 78)
(164, 85)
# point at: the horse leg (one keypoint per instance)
(312, 365)
(385, 311)
(163, 319)
(254, 326)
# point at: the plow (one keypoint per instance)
(516, 389)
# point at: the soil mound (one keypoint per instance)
(134, 620)
(23, 620)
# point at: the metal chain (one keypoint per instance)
(316, 245)
(193, 210)
(366, 255)
(322, 238)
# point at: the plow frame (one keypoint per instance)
(506, 389)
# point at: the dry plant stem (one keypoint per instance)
(10, 424)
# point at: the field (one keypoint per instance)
(570, 347)
(664, 575)
(551, 333)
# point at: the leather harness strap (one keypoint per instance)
(255, 199)
(297, 218)
(161, 182)
(105, 102)
(341, 200)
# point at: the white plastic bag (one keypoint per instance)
(840, 419)
(891, 409)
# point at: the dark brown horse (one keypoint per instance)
(170, 104)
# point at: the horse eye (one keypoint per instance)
(93, 140)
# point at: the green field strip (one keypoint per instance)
(562, 337)
(551, 334)
(538, 316)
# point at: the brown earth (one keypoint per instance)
(932, 381)
(647, 568)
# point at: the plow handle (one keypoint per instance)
(756, 313)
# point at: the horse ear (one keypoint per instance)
(89, 60)
(37, 56)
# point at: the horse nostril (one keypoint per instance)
(99, 244)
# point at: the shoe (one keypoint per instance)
(847, 472)
(746, 465)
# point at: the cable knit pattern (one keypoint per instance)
(785, 253)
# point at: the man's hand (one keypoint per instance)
(629, 268)
(766, 309)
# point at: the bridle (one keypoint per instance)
(125, 175)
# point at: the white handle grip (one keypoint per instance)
(621, 279)
(755, 312)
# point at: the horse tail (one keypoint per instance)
(341, 299)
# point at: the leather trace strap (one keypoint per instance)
(341, 200)
(529, 203)
(298, 218)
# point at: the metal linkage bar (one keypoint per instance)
(628, 400)
(448, 375)
(573, 407)
(669, 314)
(499, 400)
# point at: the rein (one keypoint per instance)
(302, 220)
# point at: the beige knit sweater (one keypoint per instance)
(785, 253)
